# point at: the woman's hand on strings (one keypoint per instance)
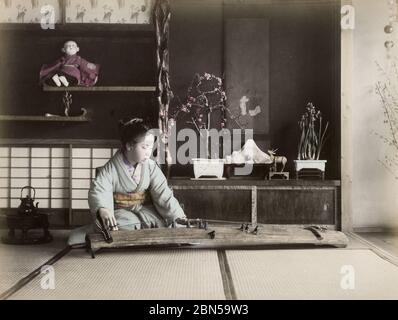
(109, 219)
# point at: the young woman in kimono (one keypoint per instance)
(130, 191)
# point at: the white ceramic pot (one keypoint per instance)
(208, 167)
(310, 164)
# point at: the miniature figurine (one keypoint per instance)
(277, 160)
(71, 69)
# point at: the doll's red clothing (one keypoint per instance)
(83, 73)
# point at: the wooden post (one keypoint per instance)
(161, 18)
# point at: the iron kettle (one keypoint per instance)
(27, 206)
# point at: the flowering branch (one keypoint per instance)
(205, 95)
(387, 91)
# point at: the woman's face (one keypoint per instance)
(142, 150)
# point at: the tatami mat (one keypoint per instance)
(312, 274)
(16, 262)
(163, 274)
(195, 274)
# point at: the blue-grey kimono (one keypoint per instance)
(146, 203)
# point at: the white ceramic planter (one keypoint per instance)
(208, 167)
(310, 164)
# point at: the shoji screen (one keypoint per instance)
(60, 175)
(84, 163)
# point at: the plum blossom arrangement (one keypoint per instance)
(205, 95)
(312, 136)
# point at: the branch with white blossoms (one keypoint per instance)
(387, 90)
(205, 95)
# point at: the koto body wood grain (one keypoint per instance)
(225, 237)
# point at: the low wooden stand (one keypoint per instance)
(278, 175)
(310, 174)
(25, 224)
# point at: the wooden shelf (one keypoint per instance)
(291, 184)
(104, 89)
(44, 118)
(98, 143)
(81, 28)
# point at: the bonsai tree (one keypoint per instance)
(205, 96)
(312, 134)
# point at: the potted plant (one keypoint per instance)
(205, 96)
(312, 140)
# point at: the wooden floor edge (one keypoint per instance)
(226, 275)
(382, 253)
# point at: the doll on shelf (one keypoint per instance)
(70, 69)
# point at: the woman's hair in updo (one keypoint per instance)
(131, 130)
